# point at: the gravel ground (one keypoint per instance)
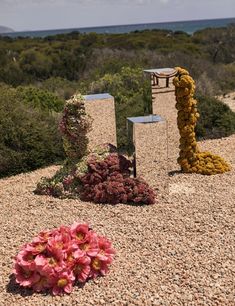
(177, 252)
(102, 112)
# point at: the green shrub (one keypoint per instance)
(62, 88)
(35, 63)
(216, 118)
(29, 136)
(38, 98)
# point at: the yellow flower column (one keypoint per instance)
(191, 159)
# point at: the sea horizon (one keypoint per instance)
(188, 26)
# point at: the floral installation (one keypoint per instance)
(58, 259)
(101, 176)
(191, 159)
(74, 125)
(108, 181)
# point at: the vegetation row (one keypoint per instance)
(37, 76)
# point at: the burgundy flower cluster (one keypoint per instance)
(109, 181)
(56, 259)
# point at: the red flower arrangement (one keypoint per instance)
(55, 260)
(109, 181)
(103, 176)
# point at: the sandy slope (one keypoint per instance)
(177, 252)
(229, 99)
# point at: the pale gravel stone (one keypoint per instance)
(179, 252)
(102, 112)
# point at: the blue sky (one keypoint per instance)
(51, 14)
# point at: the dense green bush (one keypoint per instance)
(38, 98)
(35, 63)
(62, 88)
(29, 136)
(216, 118)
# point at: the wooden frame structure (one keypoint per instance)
(157, 76)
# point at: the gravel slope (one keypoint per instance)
(177, 252)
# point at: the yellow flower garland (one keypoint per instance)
(191, 159)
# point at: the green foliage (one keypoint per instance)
(62, 88)
(218, 44)
(49, 70)
(35, 63)
(29, 137)
(39, 98)
(216, 118)
(132, 95)
(76, 56)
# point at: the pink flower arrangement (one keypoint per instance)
(55, 260)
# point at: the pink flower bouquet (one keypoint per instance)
(55, 260)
